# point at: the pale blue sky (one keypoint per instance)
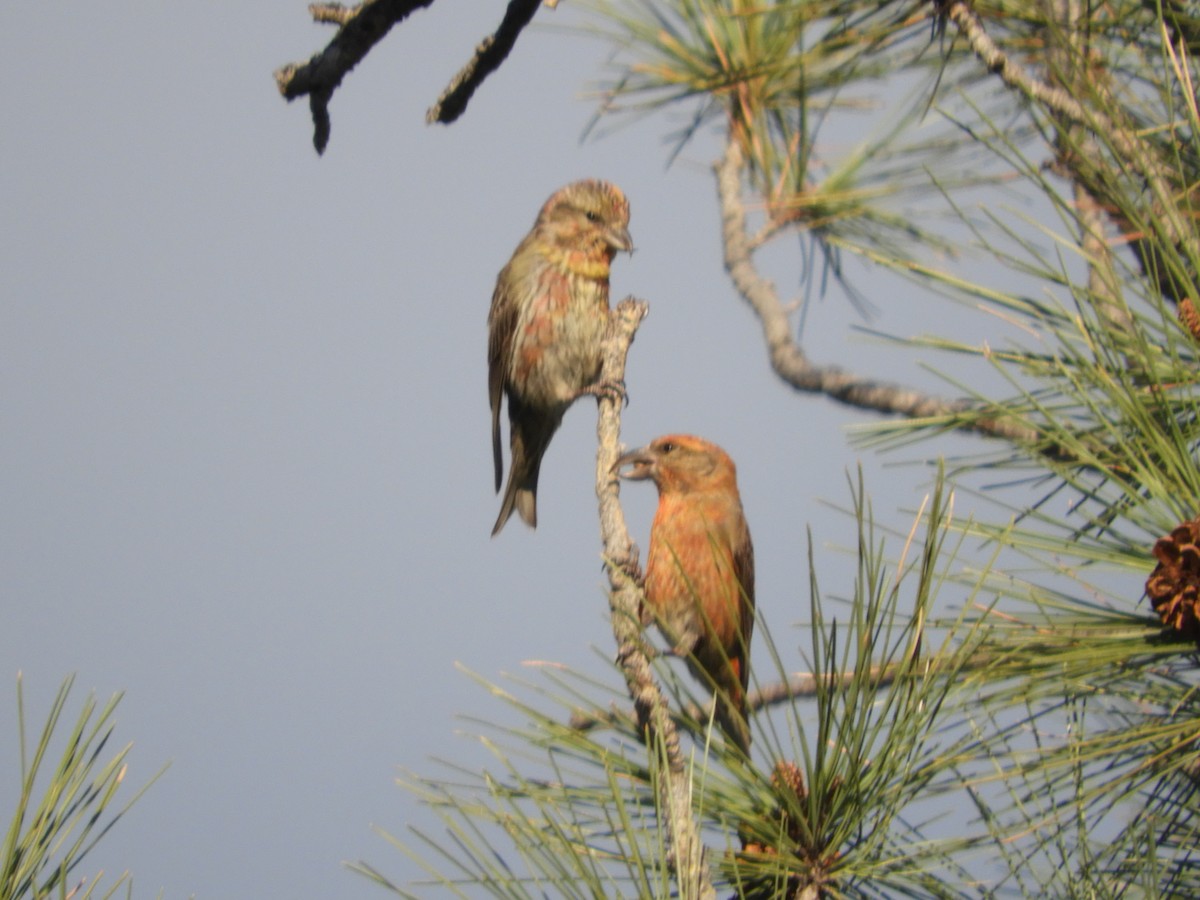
(243, 416)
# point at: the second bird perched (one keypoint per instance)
(699, 579)
(546, 325)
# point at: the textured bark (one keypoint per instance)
(488, 56)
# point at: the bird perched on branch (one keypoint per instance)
(547, 322)
(699, 580)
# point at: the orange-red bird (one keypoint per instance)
(547, 321)
(699, 580)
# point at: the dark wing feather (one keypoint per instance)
(502, 325)
(743, 567)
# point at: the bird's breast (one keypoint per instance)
(557, 348)
(691, 585)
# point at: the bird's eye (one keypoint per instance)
(667, 447)
(592, 215)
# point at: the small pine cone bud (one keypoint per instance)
(1190, 317)
(1174, 585)
(788, 775)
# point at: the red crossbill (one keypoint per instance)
(699, 581)
(547, 322)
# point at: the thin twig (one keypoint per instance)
(625, 598)
(799, 686)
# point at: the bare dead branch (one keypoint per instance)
(488, 56)
(806, 684)
(360, 28)
(789, 360)
(654, 720)
(797, 687)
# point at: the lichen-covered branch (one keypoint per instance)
(625, 598)
(360, 28)
(488, 56)
(789, 360)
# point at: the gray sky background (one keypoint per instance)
(244, 427)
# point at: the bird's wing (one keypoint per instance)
(502, 325)
(743, 567)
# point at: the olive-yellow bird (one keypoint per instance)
(547, 322)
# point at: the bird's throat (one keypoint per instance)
(583, 264)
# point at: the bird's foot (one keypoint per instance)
(645, 615)
(633, 567)
(607, 390)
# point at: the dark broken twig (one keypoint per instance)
(489, 54)
(360, 28)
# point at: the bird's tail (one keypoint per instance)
(728, 684)
(531, 433)
(731, 716)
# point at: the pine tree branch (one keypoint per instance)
(1127, 146)
(789, 360)
(688, 854)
